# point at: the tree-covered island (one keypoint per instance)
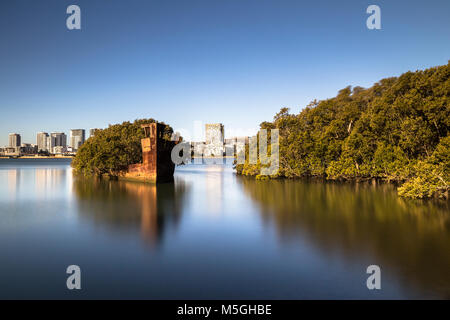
(396, 131)
(111, 151)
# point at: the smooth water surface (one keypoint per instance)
(212, 234)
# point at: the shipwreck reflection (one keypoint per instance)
(131, 206)
(362, 222)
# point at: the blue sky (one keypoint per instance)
(231, 61)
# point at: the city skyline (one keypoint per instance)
(178, 62)
(212, 142)
(39, 137)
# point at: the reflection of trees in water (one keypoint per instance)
(360, 220)
(127, 206)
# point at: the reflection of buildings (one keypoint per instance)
(47, 180)
(48, 183)
(13, 182)
(126, 206)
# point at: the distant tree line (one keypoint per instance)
(113, 149)
(395, 131)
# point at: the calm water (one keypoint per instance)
(212, 234)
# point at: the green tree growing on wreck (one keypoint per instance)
(395, 131)
(113, 149)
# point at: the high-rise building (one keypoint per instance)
(214, 133)
(93, 131)
(77, 137)
(42, 141)
(57, 139)
(14, 140)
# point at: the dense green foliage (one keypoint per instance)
(111, 150)
(396, 131)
